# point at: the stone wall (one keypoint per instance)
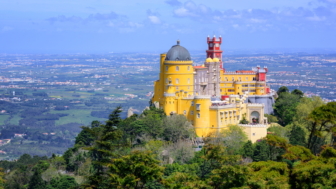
(267, 100)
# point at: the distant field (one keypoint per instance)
(76, 116)
(15, 120)
(3, 117)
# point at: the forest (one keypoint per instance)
(154, 151)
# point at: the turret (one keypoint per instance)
(202, 115)
(169, 103)
(214, 50)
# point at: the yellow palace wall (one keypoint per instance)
(175, 93)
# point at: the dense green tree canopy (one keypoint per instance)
(152, 150)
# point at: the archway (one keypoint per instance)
(255, 117)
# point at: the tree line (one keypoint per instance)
(154, 151)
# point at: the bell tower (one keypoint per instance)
(214, 50)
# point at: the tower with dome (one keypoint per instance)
(210, 96)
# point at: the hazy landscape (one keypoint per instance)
(77, 83)
(48, 97)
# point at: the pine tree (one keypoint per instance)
(261, 151)
(134, 170)
(248, 149)
(104, 148)
(297, 136)
(36, 181)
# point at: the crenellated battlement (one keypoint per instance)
(235, 73)
(255, 105)
(253, 125)
(202, 97)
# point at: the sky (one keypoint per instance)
(105, 26)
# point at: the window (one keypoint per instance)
(188, 87)
(176, 88)
(188, 80)
(191, 112)
(166, 68)
(184, 112)
(198, 107)
(166, 80)
(177, 68)
(253, 134)
(198, 115)
(177, 81)
(246, 78)
(188, 68)
(192, 103)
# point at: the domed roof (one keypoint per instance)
(178, 53)
(209, 60)
(215, 60)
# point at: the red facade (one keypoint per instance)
(214, 50)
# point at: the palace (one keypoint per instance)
(209, 96)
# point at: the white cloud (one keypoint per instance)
(256, 20)
(322, 16)
(316, 18)
(154, 19)
(6, 28)
(111, 24)
(182, 12)
(135, 25)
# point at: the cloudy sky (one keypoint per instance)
(101, 26)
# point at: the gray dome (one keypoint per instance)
(178, 52)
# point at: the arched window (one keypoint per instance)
(184, 112)
(177, 81)
(188, 68)
(166, 68)
(166, 80)
(198, 115)
(177, 68)
(188, 80)
(255, 117)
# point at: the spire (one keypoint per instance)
(178, 42)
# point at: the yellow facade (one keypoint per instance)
(235, 83)
(175, 93)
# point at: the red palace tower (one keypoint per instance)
(214, 50)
